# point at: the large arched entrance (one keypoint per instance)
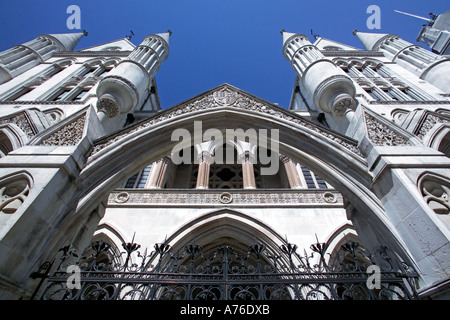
(224, 255)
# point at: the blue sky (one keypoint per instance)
(213, 42)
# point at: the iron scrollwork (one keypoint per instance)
(226, 273)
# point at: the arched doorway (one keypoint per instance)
(223, 255)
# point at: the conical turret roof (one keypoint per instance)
(369, 39)
(286, 35)
(68, 40)
(165, 35)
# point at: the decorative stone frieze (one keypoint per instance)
(217, 197)
(22, 121)
(69, 135)
(431, 119)
(381, 135)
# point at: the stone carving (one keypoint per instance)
(46, 102)
(122, 197)
(430, 121)
(225, 97)
(226, 198)
(330, 197)
(22, 122)
(436, 193)
(13, 192)
(241, 102)
(108, 105)
(343, 103)
(218, 197)
(69, 135)
(381, 135)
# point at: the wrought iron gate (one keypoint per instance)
(224, 273)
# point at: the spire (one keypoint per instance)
(369, 40)
(165, 35)
(68, 40)
(286, 35)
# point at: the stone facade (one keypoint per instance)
(362, 153)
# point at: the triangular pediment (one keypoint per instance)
(226, 97)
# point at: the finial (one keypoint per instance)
(85, 33)
(354, 32)
(170, 32)
(130, 36)
(282, 30)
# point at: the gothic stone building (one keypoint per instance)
(87, 157)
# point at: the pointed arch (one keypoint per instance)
(225, 227)
(11, 138)
(106, 230)
(342, 234)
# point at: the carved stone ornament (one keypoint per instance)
(108, 105)
(122, 197)
(69, 135)
(241, 101)
(329, 197)
(381, 135)
(343, 103)
(430, 121)
(226, 198)
(13, 192)
(225, 97)
(436, 193)
(22, 122)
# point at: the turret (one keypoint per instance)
(21, 58)
(127, 85)
(427, 65)
(332, 90)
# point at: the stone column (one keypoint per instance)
(157, 176)
(205, 160)
(292, 173)
(127, 85)
(248, 173)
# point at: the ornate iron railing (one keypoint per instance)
(225, 273)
